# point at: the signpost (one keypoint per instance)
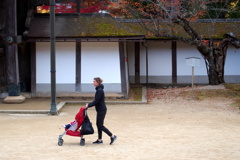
(193, 62)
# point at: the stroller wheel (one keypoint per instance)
(60, 142)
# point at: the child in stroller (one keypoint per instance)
(72, 129)
(72, 124)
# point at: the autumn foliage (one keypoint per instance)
(93, 6)
(162, 9)
(86, 6)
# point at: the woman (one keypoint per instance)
(100, 106)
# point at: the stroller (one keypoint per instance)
(73, 129)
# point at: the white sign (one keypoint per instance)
(193, 61)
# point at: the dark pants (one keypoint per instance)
(67, 126)
(100, 126)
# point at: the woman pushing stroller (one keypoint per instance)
(101, 109)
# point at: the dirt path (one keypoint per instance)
(168, 128)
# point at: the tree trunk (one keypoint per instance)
(215, 60)
(215, 66)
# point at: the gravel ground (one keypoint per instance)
(169, 127)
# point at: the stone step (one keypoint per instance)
(14, 99)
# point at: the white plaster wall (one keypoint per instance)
(184, 51)
(160, 63)
(65, 62)
(159, 59)
(100, 59)
(232, 65)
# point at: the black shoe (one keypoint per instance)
(98, 142)
(82, 142)
(113, 139)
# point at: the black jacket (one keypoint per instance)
(99, 101)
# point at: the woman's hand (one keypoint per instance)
(86, 106)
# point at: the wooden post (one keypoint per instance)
(192, 82)
(174, 62)
(78, 67)
(123, 69)
(11, 47)
(78, 6)
(33, 67)
(137, 62)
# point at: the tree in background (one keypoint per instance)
(223, 9)
(163, 18)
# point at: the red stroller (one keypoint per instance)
(74, 131)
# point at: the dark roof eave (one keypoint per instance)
(174, 39)
(95, 38)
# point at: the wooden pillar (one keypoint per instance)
(11, 47)
(78, 67)
(174, 62)
(137, 62)
(123, 68)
